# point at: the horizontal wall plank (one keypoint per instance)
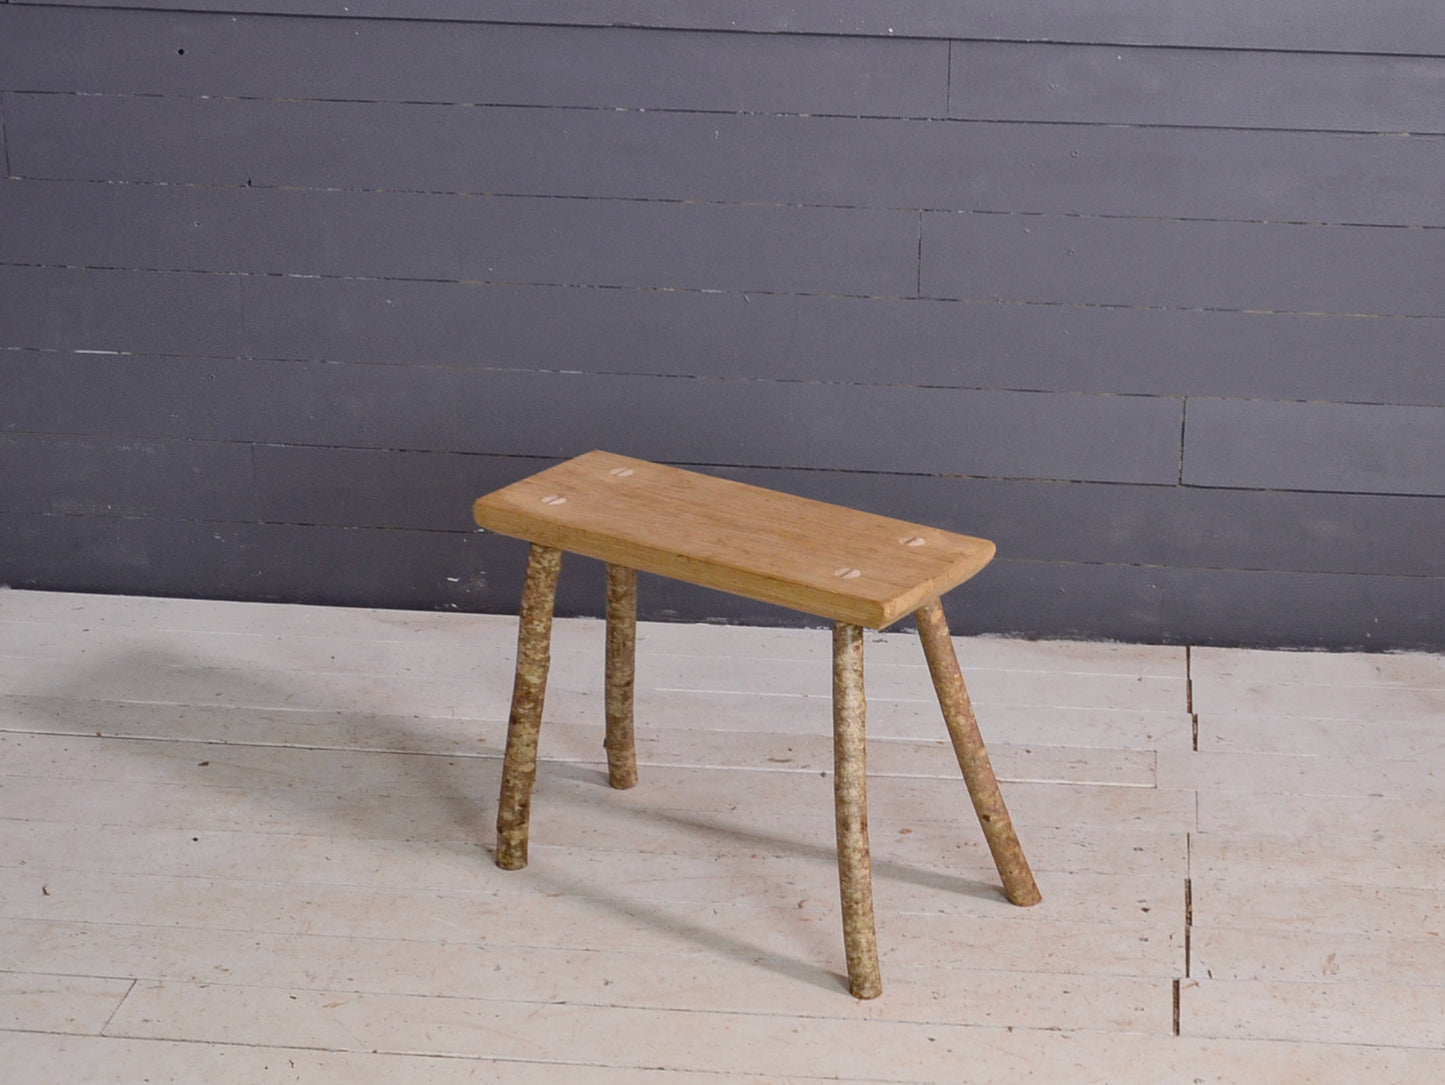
(72, 309)
(1055, 348)
(1315, 446)
(1037, 521)
(1246, 88)
(913, 430)
(1204, 607)
(924, 342)
(728, 335)
(920, 430)
(127, 477)
(426, 491)
(257, 562)
(1221, 608)
(153, 52)
(483, 572)
(1399, 26)
(633, 154)
(1230, 609)
(387, 235)
(1226, 265)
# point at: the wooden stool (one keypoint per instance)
(857, 569)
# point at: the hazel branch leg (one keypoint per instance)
(1003, 842)
(850, 797)
(534, 657)
(621, 675)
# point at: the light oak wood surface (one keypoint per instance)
(823, 559)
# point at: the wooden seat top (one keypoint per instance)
(835, 562)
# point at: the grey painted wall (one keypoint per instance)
(1152, 297)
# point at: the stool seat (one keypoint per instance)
(854, 568)
(823, 559)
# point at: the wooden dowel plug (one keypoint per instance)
(534, 655)
(620, 742)
(850, 797)
(1018, 881)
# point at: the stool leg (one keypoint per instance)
(621, 675)
(998, 829)
(850, 799)
(534, 656)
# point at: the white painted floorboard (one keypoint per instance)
(245, 843)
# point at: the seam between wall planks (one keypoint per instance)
(1183, 435)
(943, 117)
(5, 96)
(739, 291)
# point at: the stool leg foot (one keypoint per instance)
(534, 656)
(998, 829)
(850, 796)
(621, 675)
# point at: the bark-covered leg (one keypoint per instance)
(1003, 842)
(850, 795)
(534, 654)
(621, 671)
